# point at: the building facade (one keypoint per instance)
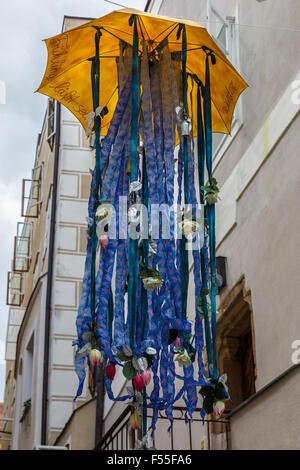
(257, 168)
(45, 281)
(257, 228)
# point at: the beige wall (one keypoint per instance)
(26, 434)
(263, 243)
(80, 430)
(257, 218)
(272, 420)
(75, 159)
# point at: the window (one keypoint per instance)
(236, 345)
(28, 370)
(21, 260)
(32, 194)
(224, 33)
(35, 268)
(51, 122)
(47, 226)
(14, 293)
(219, 31)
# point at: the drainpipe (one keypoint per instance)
(100, 394)
(49, 280)
(208, 16)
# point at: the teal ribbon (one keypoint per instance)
(145, 190)
(211, 207)
(133, 266)
(184, 263)
(201, 165)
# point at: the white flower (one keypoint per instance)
(183, 359)
(133, 215)
(84, 350)
(103, 211)
(152, 282)
(135, 186)
(89, 124)
(188, 227)
(211, 198)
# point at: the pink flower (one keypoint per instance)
(138, 383)
(146, 376)
(135, 421)
(103, 241)
(177, 343)
(95, 356)
(219, 407)
(110, 371)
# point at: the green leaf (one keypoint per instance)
(220, 392)
(148, 272)
(207, 391)
(179, 350)
(122, 357)
(204, 291)
(129, 371)
(208, 405)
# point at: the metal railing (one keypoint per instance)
(121, 437)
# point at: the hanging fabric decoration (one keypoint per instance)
(151, 237)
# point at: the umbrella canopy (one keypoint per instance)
(69, 65)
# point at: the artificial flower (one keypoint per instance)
(89, 125)
(133, 215)
(95, 356)
(218, 407)
(152, 283)
(188, 226)
(146, 376)
(102, 212)
(135, 421)
(211, 192)
(110, 371)
(211, 198)
(183, 359)
(103, 240)
(138, 383)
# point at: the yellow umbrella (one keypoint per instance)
(67, 76)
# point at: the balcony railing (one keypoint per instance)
(14, 293)
(207, 434)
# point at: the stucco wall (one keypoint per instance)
(80, 431)
(271, 421)
(27, 434)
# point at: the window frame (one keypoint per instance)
(233, 55)
(51, 115)
(20, 293)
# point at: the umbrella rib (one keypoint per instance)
(165, 31)
(112, 95)
(78, 63)
(166, 37)
(138, 18)
(115, 29)
(141, 19)
(120, 39)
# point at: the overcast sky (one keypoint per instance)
(24, 24)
